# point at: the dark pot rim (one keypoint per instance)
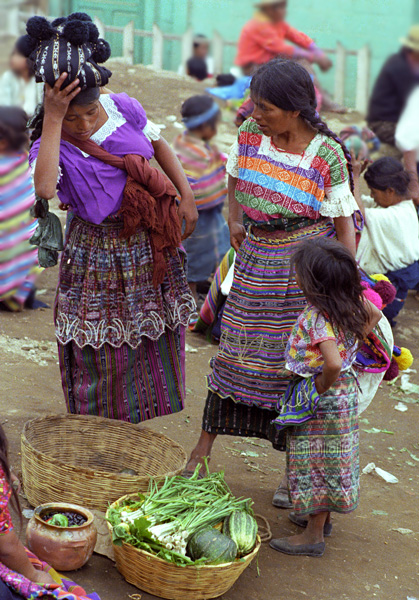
(63, 506)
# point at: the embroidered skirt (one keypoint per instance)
(261, 309)
(323, 453)
(121, 341)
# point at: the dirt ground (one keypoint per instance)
(372, 554)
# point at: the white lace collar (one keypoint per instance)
(268, 148)
(115, 120)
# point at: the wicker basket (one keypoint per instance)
(166, 580)
(78, 459)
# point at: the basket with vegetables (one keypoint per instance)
(185, 539)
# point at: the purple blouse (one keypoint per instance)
(92, 188)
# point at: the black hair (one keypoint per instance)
(197, 105)
(331, 281)
(197, 67)
(225, 79)
(387, 172)
(287, 85)
(5, 465)
(87, 96)
(84, 97)
(13, 127)
(30, 64)
(200, 39)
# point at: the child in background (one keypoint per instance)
(204, 166)
(18, 86)
(322, 404)
(22, 574)
(200, 55)
(389, 243)
(197, 68)
(18, 258)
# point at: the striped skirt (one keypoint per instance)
(18, 258)
(129, 384)
(261, 309)
(323, 453)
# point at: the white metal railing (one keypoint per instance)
(13, 19)
(363, 56)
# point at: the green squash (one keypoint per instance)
(212, 545)
(242, 528)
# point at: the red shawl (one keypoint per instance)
(149, 202)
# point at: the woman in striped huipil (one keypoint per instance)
(290, 179)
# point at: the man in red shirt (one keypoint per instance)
(266, 36)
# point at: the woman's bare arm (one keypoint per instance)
(170, 164)
(56, 103)
(345, 232)
(235, 216)
(13, 555)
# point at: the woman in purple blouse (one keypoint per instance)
(120, 338)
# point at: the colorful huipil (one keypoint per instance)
(18, 259)
(300, 194)
(204, 166)
(120, 340)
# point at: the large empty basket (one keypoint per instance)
(79, 459)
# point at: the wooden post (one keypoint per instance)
(363, 79)
(186, 48)
(100, 26)
(217, 52)
(157, 52)
(128, 43)
(13, 21)
(340, 69)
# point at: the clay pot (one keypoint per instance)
(64, 548)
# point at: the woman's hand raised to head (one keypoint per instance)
(57, 100)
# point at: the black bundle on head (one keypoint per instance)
(13, 122)
(386, 173)
(287, 85)
(330, 279)
(69, 45)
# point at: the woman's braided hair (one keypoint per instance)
(287, 85)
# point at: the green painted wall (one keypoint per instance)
(354, 23)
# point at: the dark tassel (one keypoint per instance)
(76, 32)
(102, 51)
(39, 28)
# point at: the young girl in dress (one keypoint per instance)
(204, 166)
(323, 449)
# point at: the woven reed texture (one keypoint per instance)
(166, 580)
(76, 458)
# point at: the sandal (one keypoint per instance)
(313, 550)
(281, 498)
(302, 522)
